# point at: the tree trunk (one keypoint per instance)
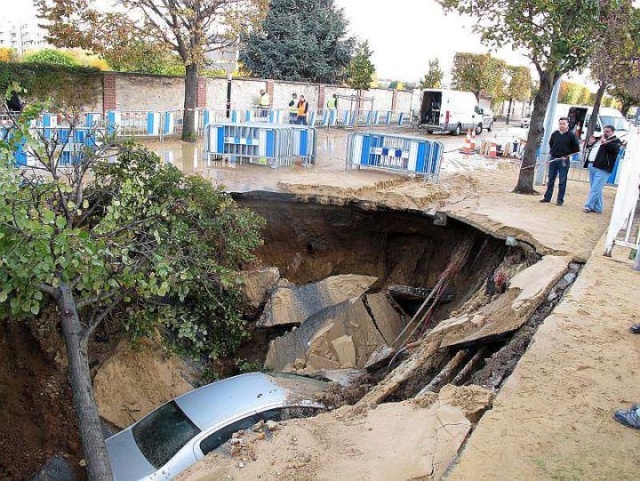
(596, 108)
(509, 110)
(189, 133)
(540, 103)
(94, 447)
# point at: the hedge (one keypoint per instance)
(66, 87)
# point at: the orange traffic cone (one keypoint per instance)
(466, 149)
(492, 151)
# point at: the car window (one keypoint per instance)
(223, 435)
(294, 412)
(161, 434)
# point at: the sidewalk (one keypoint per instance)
(552, 419)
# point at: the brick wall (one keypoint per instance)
(158, 93)
(149, 92)
(109, 92)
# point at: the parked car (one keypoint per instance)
(525, 122)
(177, 434)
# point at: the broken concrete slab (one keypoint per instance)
(256, 284)
(343, 377)
(388, 320)
(509, 311)
(345, 351)
(313, 340)
(295, 305)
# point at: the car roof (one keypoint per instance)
(225, 399)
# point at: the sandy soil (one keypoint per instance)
(552, 420)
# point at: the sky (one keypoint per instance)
(403, 34)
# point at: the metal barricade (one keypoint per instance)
(134, 123)
(409, 155)
(260, 143)
(71, 143)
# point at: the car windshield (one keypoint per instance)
(618, 123)
(161, 434)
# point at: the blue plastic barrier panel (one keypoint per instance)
(613, 178)
(169, 118)
(113, 121)
(91, 119)
(49, 122)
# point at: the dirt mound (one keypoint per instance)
(135, 381)
(37, 420)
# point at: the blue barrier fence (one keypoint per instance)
(275, 145)
(405, 154)
(67, 144)
(140, 123)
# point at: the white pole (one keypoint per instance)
(548, 130)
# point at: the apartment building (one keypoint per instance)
(22, 36)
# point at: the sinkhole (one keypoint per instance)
(442, 277)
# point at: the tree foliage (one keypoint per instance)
(7, 54)
(519, 84)
(360, 70)
(573, 93)
(189, 29)
(433, 77)
(478, 73)
(618, 47)
(131, 238)
(299, 40)
(557, 36)
(51, 56)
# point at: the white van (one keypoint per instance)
(453, 111)
(579, 116)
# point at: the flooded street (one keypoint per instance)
(331, 155)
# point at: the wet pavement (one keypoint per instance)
(331, 157)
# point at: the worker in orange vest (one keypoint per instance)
(303, 108)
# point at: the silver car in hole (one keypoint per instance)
(177, 434)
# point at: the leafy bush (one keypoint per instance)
(208, 237)
(56, 57)
(65, 86)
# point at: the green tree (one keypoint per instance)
(627, 93)
(569, 92)
(100, 238)
(190, 29)
(48, 55)
(299, 40)
(478, 73)
(519, 85)
(618, 47)
(360, 70)
(557, 36)
(586, 96)
(433, 78)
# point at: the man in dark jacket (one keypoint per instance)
(600, 161)
(563, 143)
